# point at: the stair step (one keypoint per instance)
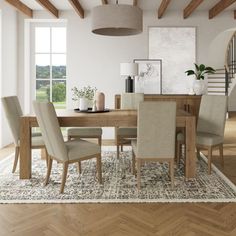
(216, 76)
(216, 89)
(216, 82)
(216, 93)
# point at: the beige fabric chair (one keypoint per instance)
(84, 132)
(63, 152)
(211, 125)
(13, 113)
(128, 101)
(156, 136)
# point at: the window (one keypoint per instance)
(50, 64)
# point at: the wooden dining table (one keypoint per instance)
(113, 118)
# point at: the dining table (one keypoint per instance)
(113, 118)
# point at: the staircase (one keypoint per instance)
(217, 83)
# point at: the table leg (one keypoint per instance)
(25, 149)
(190, 162)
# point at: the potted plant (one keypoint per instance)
(200, 72)
(85, 96)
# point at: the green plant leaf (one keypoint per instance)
(196, 66)
(190, 72)
(202, 67)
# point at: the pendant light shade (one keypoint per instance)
(117, 20)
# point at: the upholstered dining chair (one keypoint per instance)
(156, 136)
(63, 152)
(128, 101)
(211, 125)
(13, 113)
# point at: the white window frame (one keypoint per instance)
(33, 53)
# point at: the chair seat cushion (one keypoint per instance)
(208, 139)
(36, 134)
(37, 141)
(84, 131)
(180, 137)
(80, 148)
(127, 131)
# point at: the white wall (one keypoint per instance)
(9, 62)
(94, 60)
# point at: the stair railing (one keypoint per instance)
(226, 81)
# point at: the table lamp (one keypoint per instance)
(129, 70)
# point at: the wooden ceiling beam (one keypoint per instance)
(20, 6)
(191, 7)
(219, 7)
(163, 7)
(49, 7)
(77, 7)
(104, 2)
(235, 14)
(135, 2)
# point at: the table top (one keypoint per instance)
(113, 118)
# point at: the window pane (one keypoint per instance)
(42, 90)
(42, 39)
(59, 94)
(42, 66)
(59, 40)
(59, 66)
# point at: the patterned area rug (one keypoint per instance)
(119, 184)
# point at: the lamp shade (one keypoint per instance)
(117, 20)
(129, 69)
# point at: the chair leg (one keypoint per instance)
(121, 145)
(64, 175)
(100, 141)
(221, 151)
(79, 167)
(209, 159)
(46, 157)
(172, 173)
(178, 152)
(133, 163)
(48, 170)
(99, 168)
(117, 147)
(198, 153)
(17, 152)
(139, 174)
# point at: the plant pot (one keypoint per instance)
(83, 104)
(198, 87)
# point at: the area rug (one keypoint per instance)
(119, 184)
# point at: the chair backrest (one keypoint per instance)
(212, 114)
(51, 132)
(13, 113)
(131, 100)
(156, 130)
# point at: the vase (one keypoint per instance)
(100, 101)
(83, 104)
(197, 87)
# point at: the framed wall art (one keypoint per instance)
(176, 46)
(149, 79)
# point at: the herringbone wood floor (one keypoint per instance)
(206, 219)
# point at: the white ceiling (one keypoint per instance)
(144, 4)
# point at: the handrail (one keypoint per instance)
(226, 81)
(228, 47)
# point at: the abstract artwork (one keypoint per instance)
(149, 77)
(176, 46)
